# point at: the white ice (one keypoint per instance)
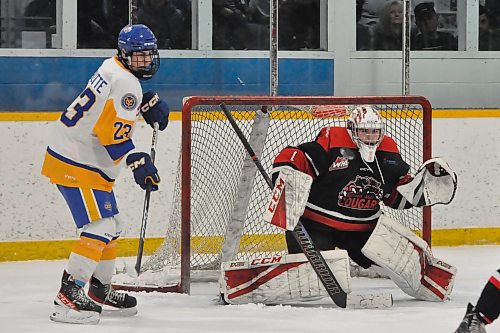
(27, 290)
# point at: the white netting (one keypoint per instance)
(217, 158)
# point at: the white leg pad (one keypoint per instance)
(409, 262)
(280, 280)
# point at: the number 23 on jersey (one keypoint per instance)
(80, 105)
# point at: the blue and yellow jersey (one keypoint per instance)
(94, 134)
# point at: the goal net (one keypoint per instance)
(219, 195)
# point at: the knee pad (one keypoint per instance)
(103, 229)
(118, 225)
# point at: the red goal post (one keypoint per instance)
(221, 194)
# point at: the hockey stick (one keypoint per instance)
(145, 209)
(332, 286)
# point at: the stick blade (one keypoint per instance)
(369, 301)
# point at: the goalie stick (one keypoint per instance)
(145, 209)
(338, 296)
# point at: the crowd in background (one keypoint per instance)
(100, 21)
(386, 31)
(381, 29)
(489, 26)
(244, 24)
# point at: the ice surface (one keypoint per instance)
(28, 288)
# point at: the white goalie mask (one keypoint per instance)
(367, 128)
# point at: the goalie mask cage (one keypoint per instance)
(222, 195)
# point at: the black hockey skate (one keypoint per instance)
(471, 322)
(72, 304)
(114, 303)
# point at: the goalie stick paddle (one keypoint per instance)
(145, 209)
(332, 286)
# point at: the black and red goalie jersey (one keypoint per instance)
(347, 190)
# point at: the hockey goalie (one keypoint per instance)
(334, 186)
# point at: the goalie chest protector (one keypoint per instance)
(346, 191)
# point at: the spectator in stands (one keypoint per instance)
(99, 22)
(493, 7)
(388, 32)
(170, 20)
(363, 33)
(229, 24)
(489, 39)
(258, 25)
(429, 38)
(299, 25)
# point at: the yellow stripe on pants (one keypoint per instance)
(92, 209)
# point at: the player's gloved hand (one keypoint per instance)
(154, 110)
(144, 170)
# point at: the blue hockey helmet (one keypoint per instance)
(138, 51)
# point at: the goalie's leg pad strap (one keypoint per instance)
(279, 280)
(409, 261)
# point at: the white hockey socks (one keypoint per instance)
(281, 279)
(409, 261)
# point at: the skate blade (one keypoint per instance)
(63, 314)
(109, 311)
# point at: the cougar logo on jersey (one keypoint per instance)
(362, 193)
(129, 102)
(340, 163)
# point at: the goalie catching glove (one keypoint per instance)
(434, 183)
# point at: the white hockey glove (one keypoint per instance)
(434, 183)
